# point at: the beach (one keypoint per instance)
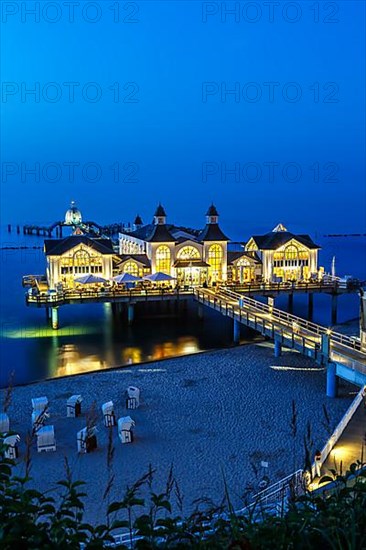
(210, 415)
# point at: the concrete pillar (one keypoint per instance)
(290, 307)
(236, 331)
(55, 318)
(200, 311)
(334, 309)
(130, 313)
(310, 306)
(325, 348)
(332, 381)
(277, 348)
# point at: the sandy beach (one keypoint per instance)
(205, 414)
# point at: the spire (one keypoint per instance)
(160, 215)
(212, 215)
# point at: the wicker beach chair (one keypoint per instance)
(73, 406)
(38, 419)
(125, 425)
(4, 423)
(11, 443)
(46, 439)
(86, 440)
(133, 397)
(108, 414)
(40, 403)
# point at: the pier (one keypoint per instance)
(341, 355)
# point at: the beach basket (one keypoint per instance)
(108, 414)
(73, 406)
(133, 397)
(125, 425)
(46, 439)
(4, 423)
(12, 442)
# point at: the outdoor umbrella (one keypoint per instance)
(158, 277)
(126, 278)
(90, 279)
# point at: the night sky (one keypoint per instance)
(135, 108)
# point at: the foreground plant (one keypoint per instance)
(334, 519)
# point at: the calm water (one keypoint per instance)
(89, 337)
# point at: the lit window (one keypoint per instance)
(215, 260)
(131, 268)
(188, 253)
(163, 259)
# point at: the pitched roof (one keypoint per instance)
(212, 232)
(160, 234)
(233, 256)
(273, 240)
(138, 220)
(56, 247)
(140, 258)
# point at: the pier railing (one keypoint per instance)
(265, 317)
(54, 299)
(333, 286)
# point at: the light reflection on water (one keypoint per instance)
(70, 359)
(90, 338)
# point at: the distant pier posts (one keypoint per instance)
(290, 305)
(332, 381)
(310, 306)
(277, 348)
(130, 314)
(334, 309)
(236, 331)
(55, 318)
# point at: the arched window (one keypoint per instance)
(131, 268)
(188, 253)
(162, 258)
(291, 252)
(243, 262)
(215, 260)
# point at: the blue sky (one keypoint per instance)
(173, 136)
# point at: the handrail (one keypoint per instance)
(294, 323)
(288, 317)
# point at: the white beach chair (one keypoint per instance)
(38, 419)
(108, 414)
(73, 406)
(133, 397)
(125, 425)
(86, 440)
(12, 442)
(46, 439)
(4, 423)
(39, 403)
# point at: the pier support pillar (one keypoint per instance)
(334, 309)
(332, 381)
(236, 331)
(130, 313)
(55, 318)
(47, 314)
(277, 348)
(200, 311)
(290, 306)
(310, 306)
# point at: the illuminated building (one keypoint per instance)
(285, 256)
